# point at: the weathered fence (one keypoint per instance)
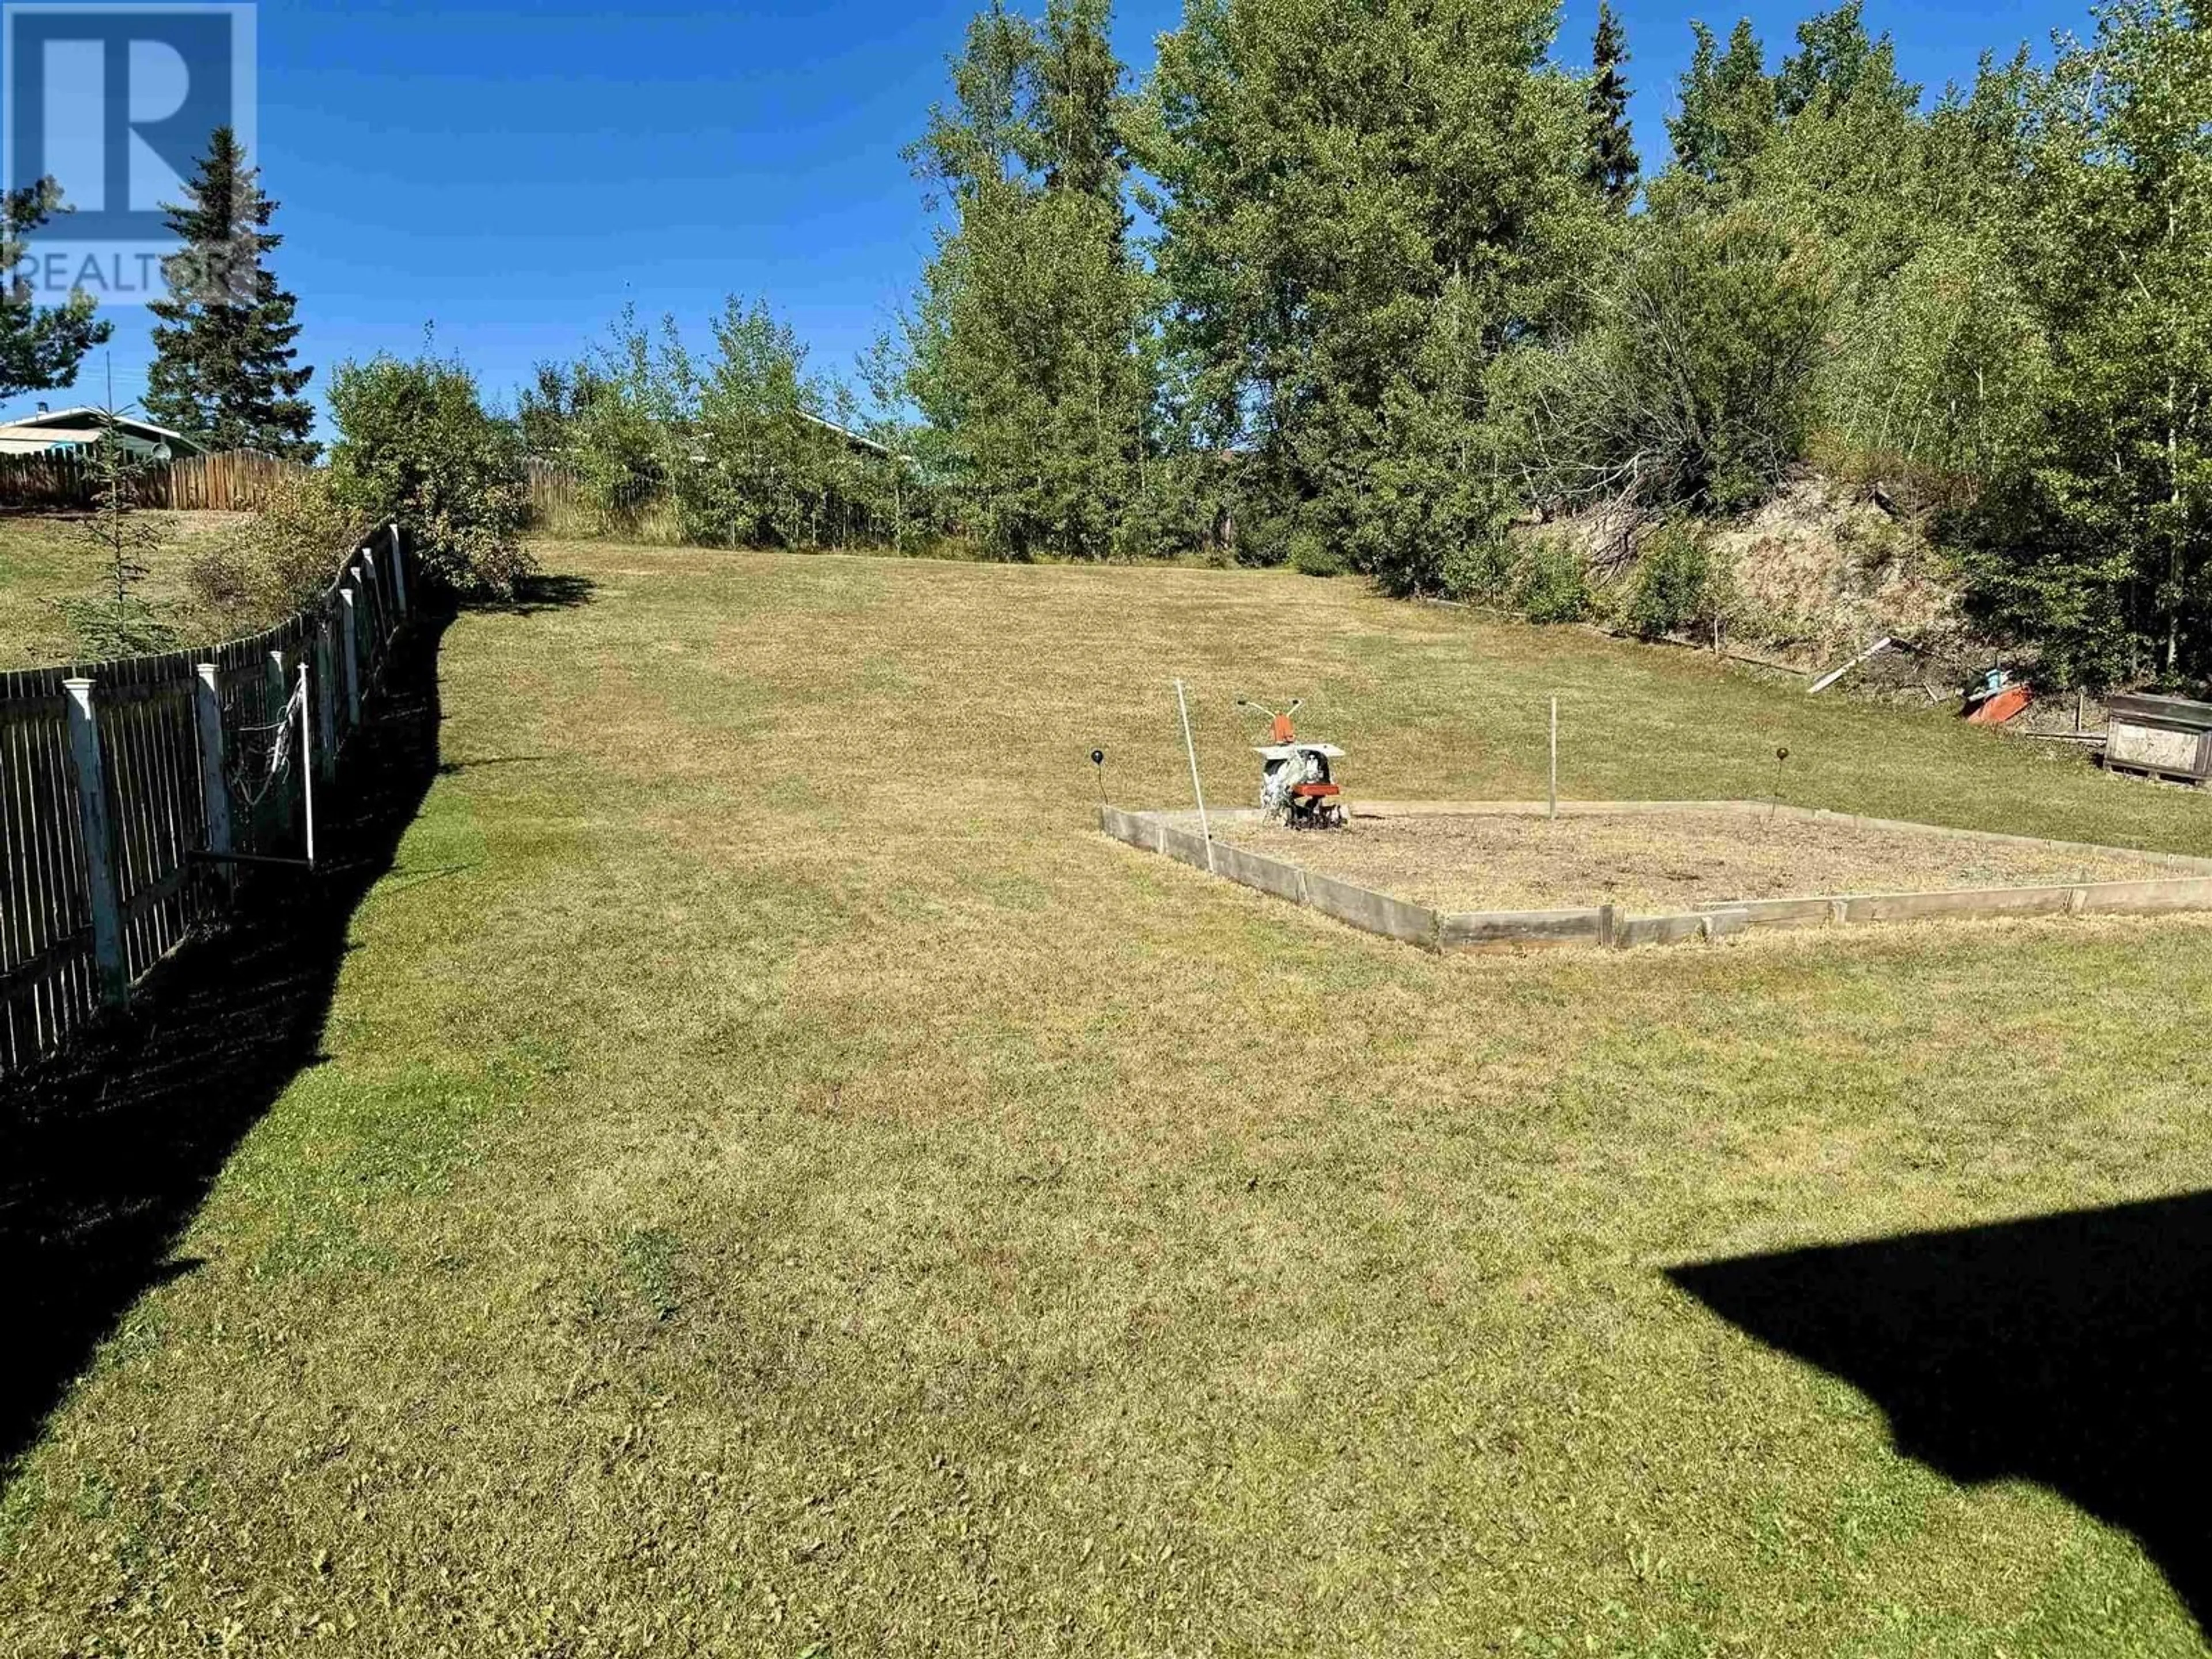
(229, 483)
(552, 491)
(134, 792)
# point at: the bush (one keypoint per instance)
(1696, 385)
(1310, 556)
(415, 445)
(1479, 569)
(277, 558)
(1552, 584)
(1672, 587)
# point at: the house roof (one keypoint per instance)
(858, 439)
(82, 425)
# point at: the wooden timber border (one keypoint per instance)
(1174, 835)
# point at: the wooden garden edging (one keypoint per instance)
(1377, 913)
(133, 792)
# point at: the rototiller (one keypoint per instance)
(1296, 788)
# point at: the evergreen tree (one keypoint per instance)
(41, 346)
(1614, 163)
(224, 361)
(118, 623)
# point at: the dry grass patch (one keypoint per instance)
(776, 1183)
(46, 556)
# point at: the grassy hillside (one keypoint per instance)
(776, 1180)
(44, 558)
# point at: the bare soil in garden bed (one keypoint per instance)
(1663, 861)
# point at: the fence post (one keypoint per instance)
(215, 786)
(379, 603)
(326, 701)
(399, 569)
(349, 648)
(101, 887)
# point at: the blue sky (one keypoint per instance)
(515, 174)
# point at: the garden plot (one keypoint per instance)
(1471, 876)
(1649, 861)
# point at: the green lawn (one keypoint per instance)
(782, 1183)
(46, 556)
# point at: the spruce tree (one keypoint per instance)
(41, 346)
(224, 361)
(1614, 163)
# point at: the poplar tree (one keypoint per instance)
(2096, 544)
(1026, 351)
(1362, 208)
(1614, 163)
(223, 367)
(1727, 112)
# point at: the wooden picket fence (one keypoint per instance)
(553, 491)
(132, 793)
(231, 482)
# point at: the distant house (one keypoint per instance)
(865, 445)
(49, 430)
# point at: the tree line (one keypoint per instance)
(1370, 285)
(1375, 285)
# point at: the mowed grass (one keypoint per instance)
(782, 1183)
(44, 558)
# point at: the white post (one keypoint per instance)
(214, 788)
(1555, 758)
(280, 688)
(399, 569)
(308, 763)
(350, 649)
(105, 897)
(1197, 788)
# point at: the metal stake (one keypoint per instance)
(1197, 788)
(1555, 759)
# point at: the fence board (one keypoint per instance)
(150, 778)
(232, 482)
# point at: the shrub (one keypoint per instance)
(1479, 568)
(1695, 384)
(276, 559)
(1672, 587)
(1311, 556)
(1552, 584)
(416, 444)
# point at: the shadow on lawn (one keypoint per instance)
(106, 1152)
(546, 590)
(2072, 1350)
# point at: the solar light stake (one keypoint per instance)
(1773, 806)
(1098, 760)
